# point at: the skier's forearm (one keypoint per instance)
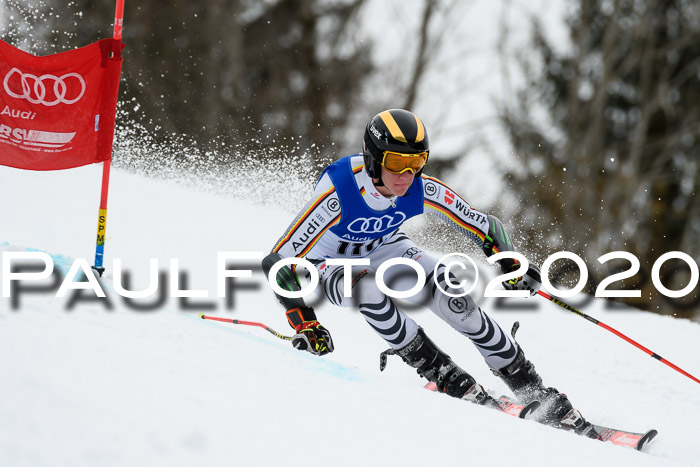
(286, 278)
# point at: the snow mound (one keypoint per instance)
(88, 384)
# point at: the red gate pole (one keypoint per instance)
(106, 165)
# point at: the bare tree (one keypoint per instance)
(614, 166)
(258, 75)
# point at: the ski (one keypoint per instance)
(614, 436)
(513, 407)
(625, 438)
(506, 405)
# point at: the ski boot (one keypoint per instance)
(556, 409)
(435, 365)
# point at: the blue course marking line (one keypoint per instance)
(331, 368)
(61, 263)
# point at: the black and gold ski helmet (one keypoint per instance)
(394, 130)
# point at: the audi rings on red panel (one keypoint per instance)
(67, 89)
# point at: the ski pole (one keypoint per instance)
(617, 333)
(247, 323)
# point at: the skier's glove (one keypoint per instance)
(313, 337)
(531, 281)
(310, 335)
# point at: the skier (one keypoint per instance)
(357, 207)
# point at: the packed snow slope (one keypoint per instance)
(86, 385)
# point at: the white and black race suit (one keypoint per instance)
(348, 218)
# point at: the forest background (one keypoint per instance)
(576, 122)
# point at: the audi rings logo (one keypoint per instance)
(376, 224)
(48, 90)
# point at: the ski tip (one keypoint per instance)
(201, 315)
(648, 436)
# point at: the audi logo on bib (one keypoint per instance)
(48, 90)
(371, 225)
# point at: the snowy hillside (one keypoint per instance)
(93, 386)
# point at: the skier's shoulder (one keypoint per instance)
(442, 198)
(323, 184)
(434, 188)
(355, 162)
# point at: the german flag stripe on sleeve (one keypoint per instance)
(439, 182)
(426, 177)
(303, 218)
(450, 215)
(316, 239)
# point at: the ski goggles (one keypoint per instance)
(398, 163)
